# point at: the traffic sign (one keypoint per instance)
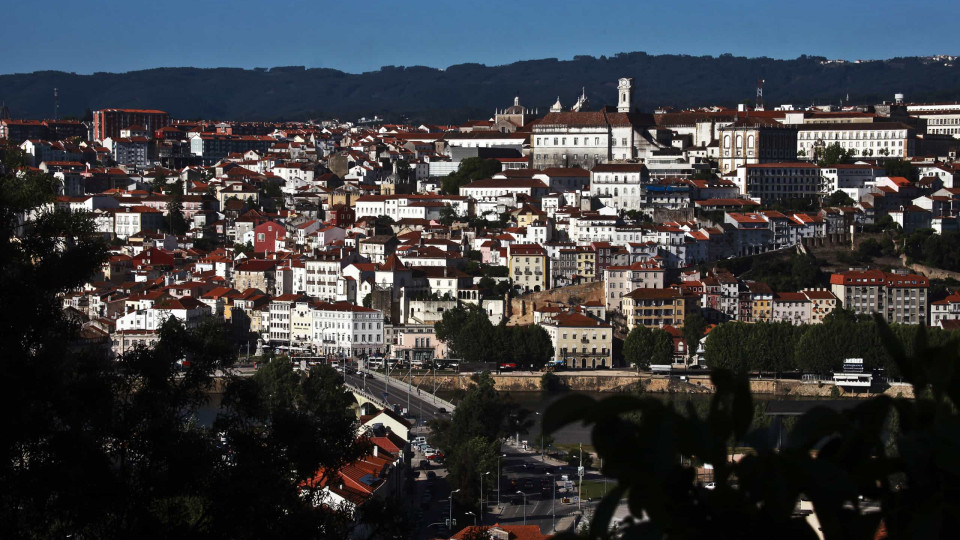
(580, 472)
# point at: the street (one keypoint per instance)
(523, 471)
(420, 406)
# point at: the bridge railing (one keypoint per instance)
(370, 397)
(424, 395)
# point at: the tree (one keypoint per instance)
(838, 198)
(882, 453)
(645, 346)
(694, 325)
(899, 167)
(470, 440)
(834, 154)
(704, 174)
(552, 383)
(471, 169)
(177, 224)
(448, 215)
(159, 183)
(724, 348)
(100, 447)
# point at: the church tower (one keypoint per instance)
(624, 89)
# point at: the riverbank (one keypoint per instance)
(625, 381)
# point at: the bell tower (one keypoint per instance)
(624, 89)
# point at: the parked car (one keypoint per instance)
(517, 499)
(508, 366)
(435, 456)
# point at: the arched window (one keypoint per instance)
(739, 141)
(726, 141)
(750, 140)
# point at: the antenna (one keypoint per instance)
(56, 104)
(759, 104)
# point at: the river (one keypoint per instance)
(537, 403)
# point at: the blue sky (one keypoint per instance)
(357, 36)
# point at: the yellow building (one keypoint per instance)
(587, 264)
(528, 215)
(658, 307)
(527, 266)
(580, 341)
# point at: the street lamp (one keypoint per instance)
(450, 508)
(481, 495)
(474, 517)
(524, 506)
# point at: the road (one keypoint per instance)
(420, 405)
(529, 473)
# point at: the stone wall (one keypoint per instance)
(522, 306)
(627, 382)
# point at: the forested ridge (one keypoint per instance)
(465, 91)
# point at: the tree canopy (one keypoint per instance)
(97, 447)
(471, 169)
(471, 336)
(645, 346)
(471, 439)
(884, 452)
(838, 198)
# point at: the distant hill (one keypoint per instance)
(467, 91)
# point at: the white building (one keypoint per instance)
(877, 139)
(188, 310)
(619, 183)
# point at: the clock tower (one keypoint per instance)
(624, 90)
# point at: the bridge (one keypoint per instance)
(369, 403)
(374, 390)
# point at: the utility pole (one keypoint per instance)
(499, 474)
(580, 473)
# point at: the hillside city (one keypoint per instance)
(576, 237)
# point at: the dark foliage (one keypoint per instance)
(471, 336)
(895, 453)
(473, 90)
(96, 447)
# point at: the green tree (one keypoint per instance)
(645, 346)
(552, 383)
(881, 453)
(899, 167)
(471, 169)
(838, 198)
(694, 325)
(100, 447)
(834, 154)
(470, 440)
(159, 183)
(725, 346)
(448, 216)
(177, 224)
